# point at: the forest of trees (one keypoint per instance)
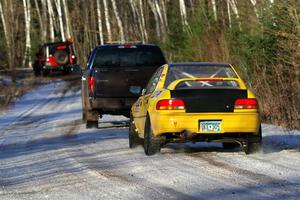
(260, 37)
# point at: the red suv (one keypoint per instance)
(56, 56)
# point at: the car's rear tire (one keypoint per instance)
(151, 144)
(92, 124)
(132, 135)
(254, 147)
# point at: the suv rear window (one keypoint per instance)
(54, 47)
(134, 56)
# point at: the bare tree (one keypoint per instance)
(99, 22)
(120, 25)
(155, 14)
(254, 6)
(51, 19)
(44, 20)
(236, 12)
(107, 20)
(143, 20)
(59, 12)
(67, 18)
(39, 17)
(6, 35)
(229, 13)
(214, 6)
(183, 14)
(27, 13)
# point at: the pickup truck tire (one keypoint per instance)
(151, 144)
(91, 124)
(132, 135)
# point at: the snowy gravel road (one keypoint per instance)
(46, 153)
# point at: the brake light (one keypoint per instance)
(73, 56)
(246, 104)
(170, 104)
(61, 47)
(91, 81)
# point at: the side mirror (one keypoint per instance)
(143, 92)
(135, 89)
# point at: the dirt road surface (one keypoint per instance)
(47, 153)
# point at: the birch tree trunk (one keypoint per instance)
(214, 6)
(107, 20)
(154, 11)
(183, 14)
(135, 21)
(236, 12)
(143, 20)
(67, 19)
(51, 18)
(99, 22)
(164, 12)
(120, 25)
(44, 20)
(229, 13)
(27, 13)
(59, 12)
(7, 39)
(39, 17)
(254, 7)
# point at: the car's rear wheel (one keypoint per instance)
(151, 143)
(254, 147)
(132, 135)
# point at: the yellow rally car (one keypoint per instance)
(195, 102)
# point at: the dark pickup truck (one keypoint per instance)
(111, 70)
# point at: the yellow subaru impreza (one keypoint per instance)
(195, 102)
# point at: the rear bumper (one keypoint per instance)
(170, 122)
(57, 67)
(111, 105)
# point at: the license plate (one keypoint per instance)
(210, 126)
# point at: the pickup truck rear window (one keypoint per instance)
(123, 57)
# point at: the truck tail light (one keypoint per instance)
(170, 104)
(91, 86)
(246, 104)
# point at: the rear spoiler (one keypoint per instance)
(173, 85)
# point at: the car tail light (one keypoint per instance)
(47, 59)
(170, 104)
(61, 47)
(246, 104)
(73, 56)
(91, 86)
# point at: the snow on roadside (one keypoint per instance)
(275, 137)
